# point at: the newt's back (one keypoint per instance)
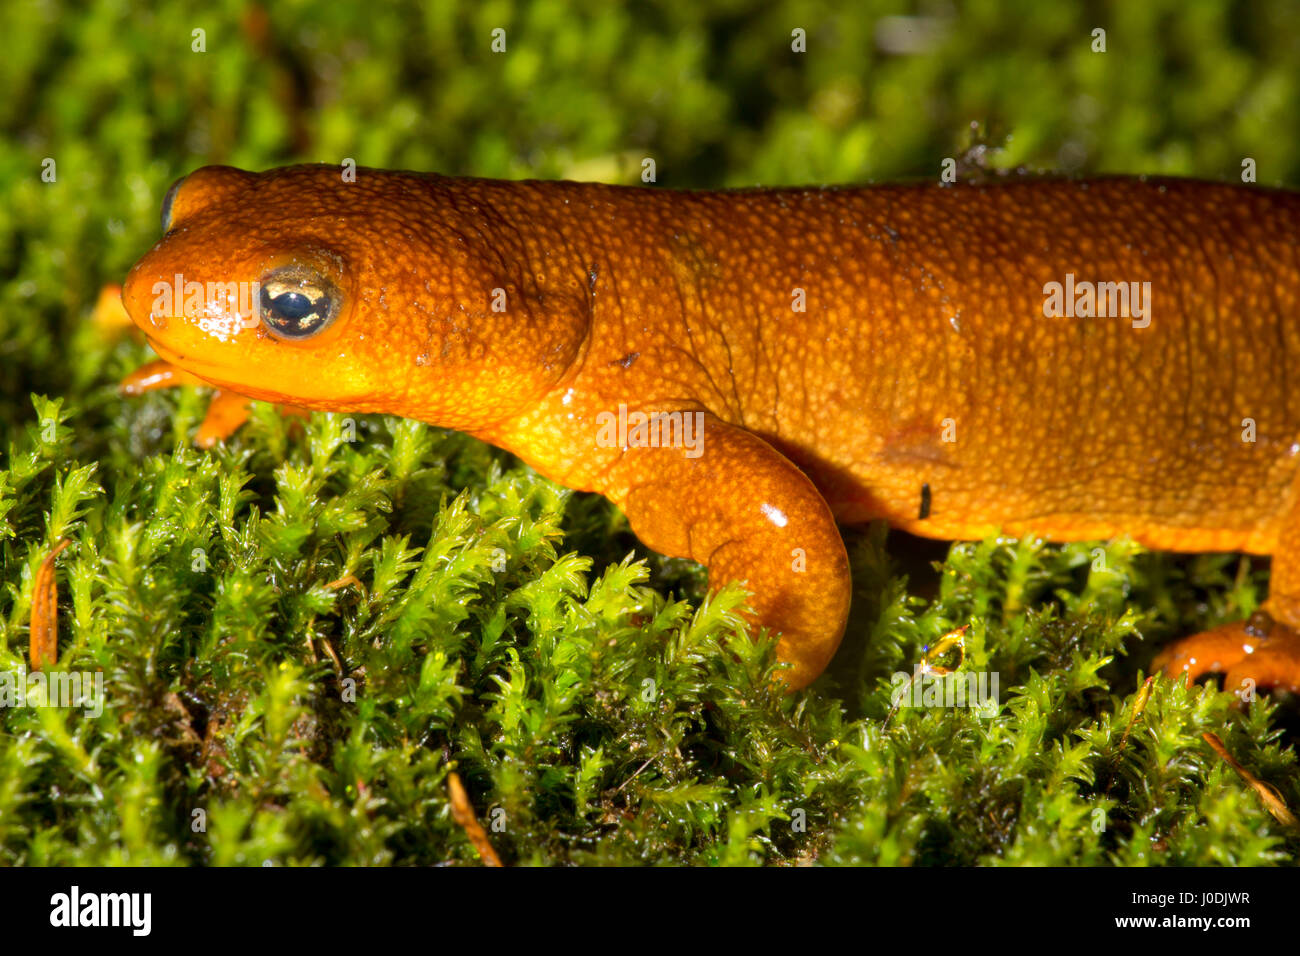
(922, 347)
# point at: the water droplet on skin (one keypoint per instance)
(422, 358)
(774, 515)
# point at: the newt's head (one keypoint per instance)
(375, 292)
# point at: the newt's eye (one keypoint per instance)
(297, 303)
(167, 204)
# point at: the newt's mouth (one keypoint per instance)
(226, 377)
(218, 376)
(203, 370)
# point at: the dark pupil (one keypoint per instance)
(292, 305)
(292, 313)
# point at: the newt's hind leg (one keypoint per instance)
(1261, 652)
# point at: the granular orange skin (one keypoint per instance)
(921, 364)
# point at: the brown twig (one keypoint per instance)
(1272, 799)
(43, 644)
(462, 811)
(1139, 705)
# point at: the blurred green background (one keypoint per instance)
(116, 95)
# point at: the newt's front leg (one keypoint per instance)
(736, 505)
(1261, 653)
(227, 410)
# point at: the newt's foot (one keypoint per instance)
(226, 412)
(110, 314)
(1255, 654)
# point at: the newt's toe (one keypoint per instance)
(1257, 654)
(154, 375)
(226, 413)
(109, 314)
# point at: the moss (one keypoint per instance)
(598, 708)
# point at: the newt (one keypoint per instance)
(742, 371)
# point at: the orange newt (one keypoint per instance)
(741, 370)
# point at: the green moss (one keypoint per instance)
(597, 707)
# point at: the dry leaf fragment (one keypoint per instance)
(1272, 799)
(43, 645)
(462, 811)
